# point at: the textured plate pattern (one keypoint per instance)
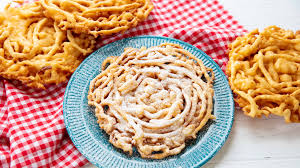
(93, 143)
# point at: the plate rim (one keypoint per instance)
(232, 110)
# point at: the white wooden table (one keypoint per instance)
(258, 143)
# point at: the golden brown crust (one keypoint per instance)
(95, 17)
(154, 99)
(108, 61)
(34, 50)
(264, 73)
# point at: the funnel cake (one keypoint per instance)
(154, 99)
(35, 51)
(264, 73)
(97, 17)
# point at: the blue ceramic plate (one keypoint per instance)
(93, 143)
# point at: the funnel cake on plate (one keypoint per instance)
(154, 99)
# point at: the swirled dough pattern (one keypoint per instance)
(154, 99)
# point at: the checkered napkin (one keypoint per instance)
(32, 130)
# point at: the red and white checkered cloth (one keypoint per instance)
(32, 131)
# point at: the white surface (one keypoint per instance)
(3, 3)
(258, 143)
(262, 13)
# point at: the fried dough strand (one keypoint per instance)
(264, 73)
(34, 50)
(154, 99)
(97, 17)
